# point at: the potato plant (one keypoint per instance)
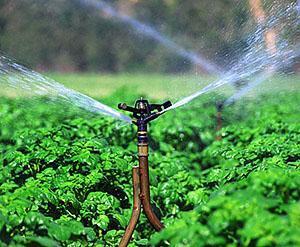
(65, 176)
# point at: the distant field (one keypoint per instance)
(153, 85)
(156, 86)
(159, 86)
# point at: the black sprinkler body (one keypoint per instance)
(219, 118)
(220, 105)
(143, 113)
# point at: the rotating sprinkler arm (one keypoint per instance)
(161, 107)
(143, 113)
(125, 107)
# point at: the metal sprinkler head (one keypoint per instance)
(219, 117)
(144, 112)
(220, 105)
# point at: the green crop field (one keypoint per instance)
(65, 175)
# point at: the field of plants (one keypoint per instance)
(65, 175)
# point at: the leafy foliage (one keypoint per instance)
(66, 180)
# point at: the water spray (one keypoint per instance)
(25, 81)
(143, 113)
(150, 32)
(259, 58)
(298, 9)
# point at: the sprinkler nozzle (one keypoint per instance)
(122, 106)
(143, 112)
(220, 105)
(219, 118)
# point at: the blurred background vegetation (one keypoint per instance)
(67, 36)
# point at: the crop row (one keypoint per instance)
(66, 176)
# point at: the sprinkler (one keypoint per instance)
(143, 113)
(219, 118)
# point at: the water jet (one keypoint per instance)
(143, 112)
(28, 82)
(150, 32)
